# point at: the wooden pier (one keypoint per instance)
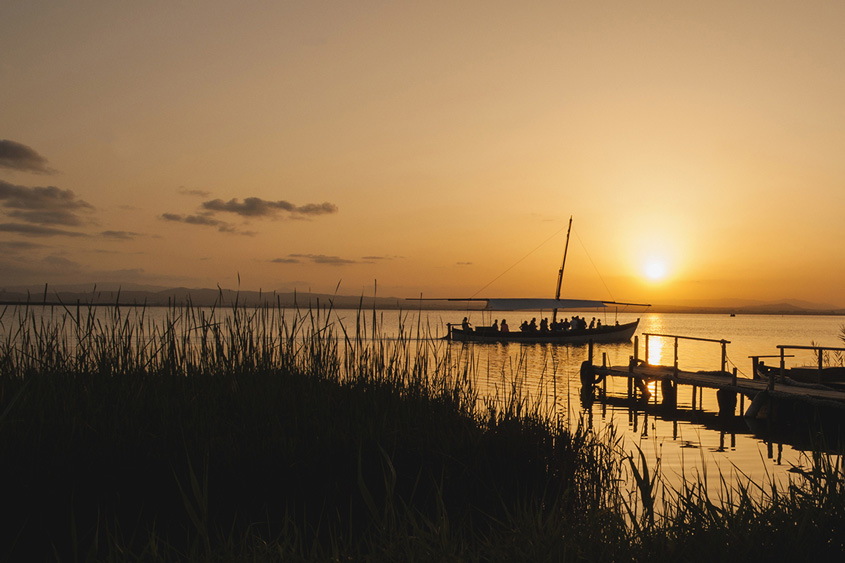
(767, 397)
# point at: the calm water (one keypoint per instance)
(695, 441)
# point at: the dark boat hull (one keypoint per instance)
(808, 376)
(609, 333)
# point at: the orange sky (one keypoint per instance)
(428, 146)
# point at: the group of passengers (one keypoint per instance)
(577, 323)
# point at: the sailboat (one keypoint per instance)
(556, 335)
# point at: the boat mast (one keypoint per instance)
(560, 272)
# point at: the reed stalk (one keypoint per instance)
(233, 433)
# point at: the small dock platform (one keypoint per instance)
(767, 396)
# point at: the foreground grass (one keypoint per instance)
(264, 435)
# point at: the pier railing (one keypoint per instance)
(724, 344)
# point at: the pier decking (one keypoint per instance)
(764, 394)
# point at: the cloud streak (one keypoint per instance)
(330, 260)
(46, 205)
(249, 208)
(196, 193)
(257, 207)
(16, 156)
(120, 235)
(319, 259)
(206, 220)
(37, 230)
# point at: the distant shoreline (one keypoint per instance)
(386, 304)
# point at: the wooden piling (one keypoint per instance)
(637, 349)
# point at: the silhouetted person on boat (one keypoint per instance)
(532, 326)
(598, 323)
(465, 325)
(524, 326)
(593, 323)
(505, 327)
(495, 326)
(544, 325)
(565, 324)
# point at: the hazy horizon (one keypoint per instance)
(433, 149)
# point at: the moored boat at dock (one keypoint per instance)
(553, 333)
(606, 333)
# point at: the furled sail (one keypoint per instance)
(523, 304)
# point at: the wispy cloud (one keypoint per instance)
(249, 208)
(463, 263)
(330, 260)
(18, 245)
(46, 205)
(206, 220)
(17, 156)
(323, 259)
(120, 235)
(37, 230)
(257, 207)
(379, 258)
(197, 193)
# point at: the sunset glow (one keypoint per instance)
(655, 269)
(426, 148)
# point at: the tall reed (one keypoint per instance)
(238, 433)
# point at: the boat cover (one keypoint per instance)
(522, 304)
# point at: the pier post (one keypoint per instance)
(782, 369)
(676, 354)
(733, 378)
(727, 402)
(669, 390)
(724, 355)
(646, 347)
(637, 349)
(604, 379)
(694, 389)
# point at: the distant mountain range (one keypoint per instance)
(180, 296)
(158, 296)
(750, 307)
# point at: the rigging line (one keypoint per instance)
(590, 258)
(512, 266)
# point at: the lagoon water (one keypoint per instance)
(693, 442)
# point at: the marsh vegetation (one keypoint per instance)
(264, 434)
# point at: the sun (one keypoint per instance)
(655, 269)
